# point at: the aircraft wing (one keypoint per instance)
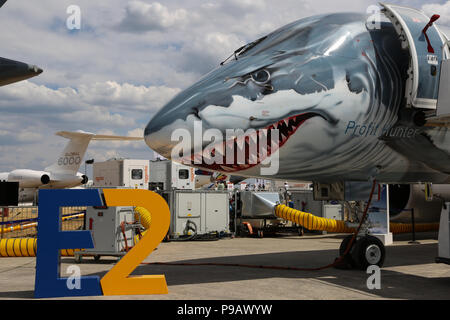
(2, 2)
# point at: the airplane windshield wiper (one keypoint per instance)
(244, 49)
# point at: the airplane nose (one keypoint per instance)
(176, 114)
(185, 109)
(35, 69)
(13, 71)
(158, 140)
(147, 132)
(170, 117)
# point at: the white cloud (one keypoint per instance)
(442, 9)
(246, 4)
(142, 17)
(140, 98)
(21, 136)
(138, 132)
(207, 50)
(111, 95)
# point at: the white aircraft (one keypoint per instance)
(344, 101)
(64, 172)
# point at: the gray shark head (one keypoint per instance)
(307, 79)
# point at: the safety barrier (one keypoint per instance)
(21, 227)
(21, 222)
(26, 247)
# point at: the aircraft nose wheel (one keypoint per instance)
(373, 254)
(367, 251)
(349, 263)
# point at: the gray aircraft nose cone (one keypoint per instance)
(147, 132)
(35, 69)
(14, 71)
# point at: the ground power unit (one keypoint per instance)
(128, 173)
(113, 231)
(195, 214)
(168, 175)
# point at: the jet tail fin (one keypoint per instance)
(70, 159)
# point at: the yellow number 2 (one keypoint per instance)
(118, 280)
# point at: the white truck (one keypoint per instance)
(121, 173)
(168, 175)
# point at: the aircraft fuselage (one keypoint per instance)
(335, 91)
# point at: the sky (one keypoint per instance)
(125, 62)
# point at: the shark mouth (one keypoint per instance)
(241, 146)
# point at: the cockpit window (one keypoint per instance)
(244, 49)
(249, 46)
(299, 31)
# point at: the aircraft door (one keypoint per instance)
(420, 35)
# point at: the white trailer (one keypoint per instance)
(169, 175)
(121, 173)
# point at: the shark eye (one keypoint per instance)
(261, 76)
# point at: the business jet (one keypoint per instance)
(351, 99)
(64, 172)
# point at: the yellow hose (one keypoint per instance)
(24, 247)
(18, 247)
(145, 217)
(407, 227)
(311, 222)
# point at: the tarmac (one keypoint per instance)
(409, 271)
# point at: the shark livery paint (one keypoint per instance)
(336, 90)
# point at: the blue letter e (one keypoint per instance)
(51, 240)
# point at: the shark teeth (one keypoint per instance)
(254, 138)
(262, 139)
(240, 141)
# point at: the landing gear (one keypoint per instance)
(347, 258)
(368, 251)
(365, 251)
